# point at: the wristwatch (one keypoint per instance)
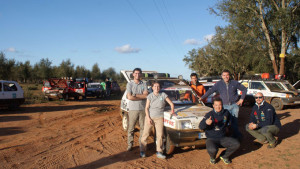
(134, 95)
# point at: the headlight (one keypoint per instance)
(187, 124)
(288, 95)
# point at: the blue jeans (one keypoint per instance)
(234, 111)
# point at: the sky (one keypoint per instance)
(123, 34)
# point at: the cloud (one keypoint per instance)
(11, 49)
(192, 42)
(127, 49)
(208, 37)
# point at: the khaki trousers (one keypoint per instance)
(264, 133)
(134, 116)
(159, 130)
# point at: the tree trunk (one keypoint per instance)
(283, 45)
(266, 32)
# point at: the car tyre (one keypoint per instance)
(170, 147)
(125, 121)
(277, 104)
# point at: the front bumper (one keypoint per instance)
(291, 101)
(181, 138)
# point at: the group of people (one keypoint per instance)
(148, 111)
(106, 88)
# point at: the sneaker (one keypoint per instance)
(142, 154)
(129, 148)
(225, 160)
(160, 155)
(272, 145)
(212, 161)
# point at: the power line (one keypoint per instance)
(145, 24)
(170, 18)
(165, 24)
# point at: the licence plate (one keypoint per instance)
(79, 91)
(201, 135)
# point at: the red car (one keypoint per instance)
(63, 89)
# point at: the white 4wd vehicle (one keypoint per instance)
(183, 129)
(11, 94)
(276, 92)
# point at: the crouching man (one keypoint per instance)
(215, 123)
(264, 123)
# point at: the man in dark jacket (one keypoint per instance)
(264, 123)
(228, 93)
(215, 124)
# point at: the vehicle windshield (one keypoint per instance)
(47, 84)
(179, 96)
(94, 86)
(274, 86)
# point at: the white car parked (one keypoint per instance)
(276, 92)
(11, 94)
(183, 129)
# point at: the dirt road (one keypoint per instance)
(88, 134)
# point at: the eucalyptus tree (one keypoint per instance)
(275, 24)
(228, 49)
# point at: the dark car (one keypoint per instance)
(115, 88)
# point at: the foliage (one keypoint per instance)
(6, 67)
(43, 70)
(95, 74)
(273, 24)
(257, 33)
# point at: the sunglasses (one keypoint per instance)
(260, 97)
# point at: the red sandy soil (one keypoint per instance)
(88, 134)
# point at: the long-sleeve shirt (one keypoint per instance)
(220, 120)
(199, 89)
(228, 92)
(264, 115)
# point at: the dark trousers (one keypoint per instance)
(213, 145)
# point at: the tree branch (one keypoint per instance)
(276, 5)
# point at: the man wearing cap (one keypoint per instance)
(264, 123)
(137, 94)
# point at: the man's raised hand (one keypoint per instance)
(209, 121)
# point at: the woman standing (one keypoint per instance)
(154, 109)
